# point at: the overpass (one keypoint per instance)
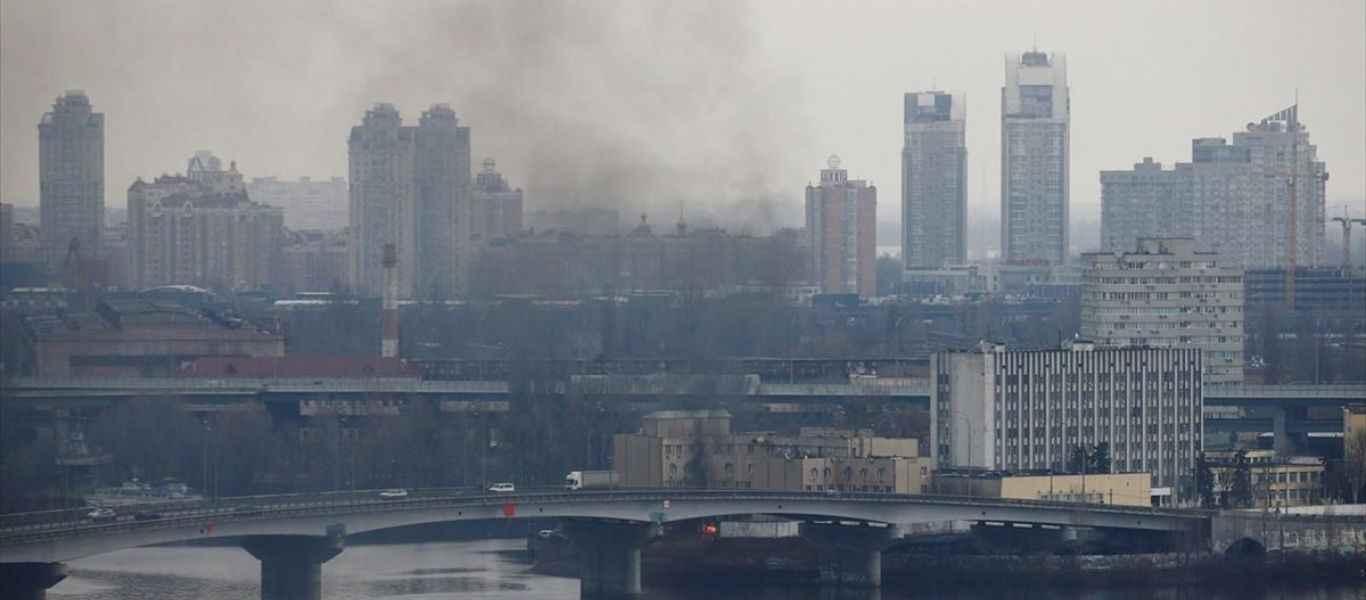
(67, 389)
(294, 535)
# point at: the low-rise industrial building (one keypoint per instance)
(1271, 482)
(138, 337)
(1122, 489)
(697, 449)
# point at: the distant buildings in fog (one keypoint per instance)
(1233, 198)
(496, 208)
(1035, 153)
(934, 181)
(410, 186)
(841, 233)
(71, 178)
(308, 204)
(201, 229)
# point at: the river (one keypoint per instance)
(487, 570)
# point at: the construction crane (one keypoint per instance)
(1291, 118)
(1346, 220)
(73, 267)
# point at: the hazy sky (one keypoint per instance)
(726, 109)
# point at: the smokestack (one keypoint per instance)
(388, 318)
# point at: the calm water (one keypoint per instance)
(474, 570)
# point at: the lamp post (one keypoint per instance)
(968, 423)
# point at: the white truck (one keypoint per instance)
(588, 480)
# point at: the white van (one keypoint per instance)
(503, 488)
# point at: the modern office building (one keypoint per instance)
(410, 186)
(1003, 410)
(841, 229)
(934, 181)
(1163, 293)
(698, 449)
(1322, 291)
(1035, 146)
(308, 203)
(1233, 198)
(71, 178)
(202, 229)
(496, 208)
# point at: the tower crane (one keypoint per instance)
(1347, 221)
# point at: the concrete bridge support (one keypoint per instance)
(609, 556)
(291, 565)
(858, 550)
(29, 580)
(1284, 442)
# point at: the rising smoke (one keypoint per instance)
(655, 106)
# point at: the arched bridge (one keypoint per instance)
(284, 515)
(294, 535)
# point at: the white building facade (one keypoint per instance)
(1163, 293)
(1006, 410)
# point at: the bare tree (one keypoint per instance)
(1354, 462)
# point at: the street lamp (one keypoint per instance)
(967, 422)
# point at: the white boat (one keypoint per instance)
(140, 492)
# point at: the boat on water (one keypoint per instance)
(140, 492)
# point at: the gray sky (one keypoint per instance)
(727, 109)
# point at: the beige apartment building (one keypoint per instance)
(1293, 481)
(697, 449)
(841, 230)
(1166, 294)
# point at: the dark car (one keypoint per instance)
(146, 515)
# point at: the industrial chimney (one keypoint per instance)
(388, 318)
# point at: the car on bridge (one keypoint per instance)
(394, 494)
(503, 488)
(102, 514)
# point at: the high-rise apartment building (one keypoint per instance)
(1146, 202)
(1233, 198)
(309, 204)
(1163, 293)
(71, 178)
(496, 208)
(1006, 410)
(410, 186)
(934, 181)
(841, 229)
(1035, 129)
(202, 229)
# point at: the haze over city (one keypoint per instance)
(555, 299)
(725, 109)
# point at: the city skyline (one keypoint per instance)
(750, 158)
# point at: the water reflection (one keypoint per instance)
(488, 570)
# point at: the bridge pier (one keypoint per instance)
(29, 580)
(1285, 443)
(609, 556)
(858, 550)
(291, 565)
